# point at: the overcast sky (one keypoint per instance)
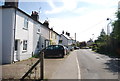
(84, 17)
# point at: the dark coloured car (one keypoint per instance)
(55, 51)
(76, 48)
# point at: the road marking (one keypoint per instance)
(79, 75)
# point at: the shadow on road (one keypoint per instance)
(113, 65)
(53, 58)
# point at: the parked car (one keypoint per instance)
(76, 47)
(71, 48)
(55, 51)
(67, 50)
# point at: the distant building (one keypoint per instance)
(66, 41)
(54, 37)
(90, 42)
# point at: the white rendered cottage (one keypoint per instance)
(22, 35)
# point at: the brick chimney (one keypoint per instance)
(13, 3)
(46, 23)
(35, 15)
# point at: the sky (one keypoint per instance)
(86, 18)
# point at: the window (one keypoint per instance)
(38, 29)
(60, 41)
(55, 36)
(51, 35)
(24, 44)
(25, 23)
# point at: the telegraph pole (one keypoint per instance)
(75, 37)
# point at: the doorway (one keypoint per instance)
(17, 50)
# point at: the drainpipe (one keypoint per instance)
(14, 37)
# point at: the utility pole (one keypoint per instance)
(75, 38)
(92, 37)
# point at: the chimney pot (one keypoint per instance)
(35, 15)
(13, 3)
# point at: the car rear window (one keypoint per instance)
(58, 47)
(55, 47)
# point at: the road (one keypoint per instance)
(96, 66)
(81, 64)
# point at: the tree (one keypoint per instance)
(115, 35)
(83, 44)
(109, 44)
(116, 30)
(102, 37)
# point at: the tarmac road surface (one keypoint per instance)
(96, 66)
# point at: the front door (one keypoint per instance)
(17, 50)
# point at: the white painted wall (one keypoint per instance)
(57, 39)
(64, 40)
(45, 32)
(36, 37)
(7, 34)
(69, 42)
(31, 35)
(23, 34)
(44, 35)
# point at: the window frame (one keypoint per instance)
(25, 45)
(26, 22)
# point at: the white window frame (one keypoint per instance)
(25, 23)
(38, 29)
(25, 45)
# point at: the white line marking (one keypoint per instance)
(79, 75)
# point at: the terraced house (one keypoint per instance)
(54, 37)
(22, 35)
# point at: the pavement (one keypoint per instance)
(18, 69)
(64, 68)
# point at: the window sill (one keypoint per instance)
(24, 51)
(25, 28)
(38, 32)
